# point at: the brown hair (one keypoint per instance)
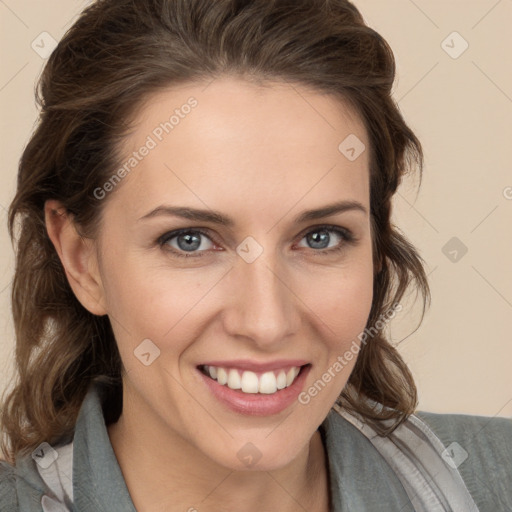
(118, 53)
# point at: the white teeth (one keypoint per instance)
(249, 382)
(222, 376)
(290, 376)
(281, 380)
(268, 383)
(234, 381)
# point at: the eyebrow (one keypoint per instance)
(216, 217)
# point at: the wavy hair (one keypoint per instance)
(111, 60)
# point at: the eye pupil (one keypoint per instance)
(320, 236)
(191, 244)
(189, 241)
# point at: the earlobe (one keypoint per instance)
(78, 257)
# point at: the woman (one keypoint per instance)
(205, 265)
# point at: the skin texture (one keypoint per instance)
(260, 155)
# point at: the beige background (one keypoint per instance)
(461, 109)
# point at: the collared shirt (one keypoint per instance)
(432, 462)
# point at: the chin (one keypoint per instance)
(259, 454)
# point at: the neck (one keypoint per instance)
(163, 471)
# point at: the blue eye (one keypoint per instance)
(189, 243)
(188, 240)
(319, 236)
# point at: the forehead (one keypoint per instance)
(246, 145)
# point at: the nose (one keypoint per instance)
(263, 307)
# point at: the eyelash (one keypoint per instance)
(346, 235)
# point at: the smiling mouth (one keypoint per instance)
(250, 382)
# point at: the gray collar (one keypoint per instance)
(359, 476)
(366, 472)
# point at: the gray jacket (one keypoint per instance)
(431, 463)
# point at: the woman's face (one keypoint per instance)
(268, 292)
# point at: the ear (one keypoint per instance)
(78, 257)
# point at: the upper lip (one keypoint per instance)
(254, 366)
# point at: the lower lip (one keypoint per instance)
(257, 404)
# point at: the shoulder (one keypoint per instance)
(486, 436)
(480, 447)
(466, 423)
(8, 498)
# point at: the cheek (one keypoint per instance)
(342, 299)
(155, 302)
(343, 311)
(167, 305)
